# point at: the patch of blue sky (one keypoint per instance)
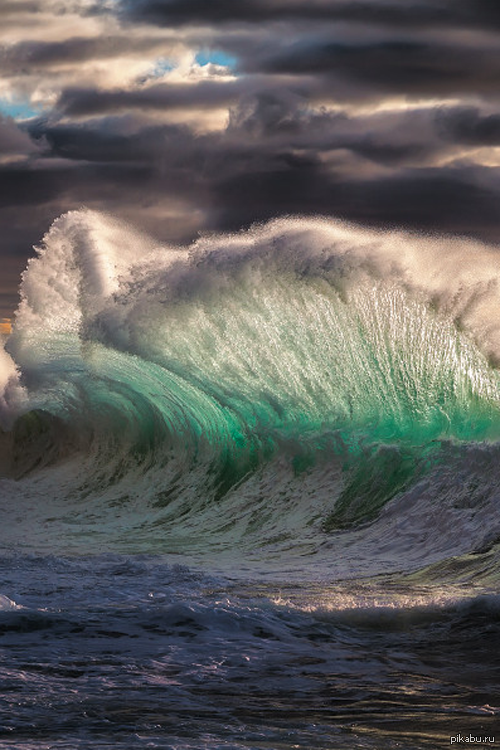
(161, 66)
(18, 110)
(216, 56)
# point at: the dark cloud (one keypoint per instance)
(174, 12)
(272, 160)
(206, 94)
(468, 125)
(399, 13)
(32, 55)
(407, 199)
(400, 66)
(282, 121)
(261, 127)
(14, 142)
(12, 267)
(27, 186)
(15, 7)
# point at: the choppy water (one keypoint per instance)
(250, 493)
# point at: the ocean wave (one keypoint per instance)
(305, 368)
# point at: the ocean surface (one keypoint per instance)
(250, 491)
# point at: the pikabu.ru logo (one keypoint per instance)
(472, 739)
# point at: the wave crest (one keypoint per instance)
(308, 342)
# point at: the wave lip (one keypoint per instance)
(298, 322)
(304, 353)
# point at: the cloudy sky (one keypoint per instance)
(187, 116)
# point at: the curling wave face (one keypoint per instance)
(275, 386)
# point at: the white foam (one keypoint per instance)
(88, 260)
(12, 394)
(7, 604)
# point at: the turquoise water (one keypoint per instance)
(302, 343)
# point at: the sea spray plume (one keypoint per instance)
(457, 276)
(306, 342)
(295, 319)
(87, 257)
(78, 266)
(78, 263)
(13, 397)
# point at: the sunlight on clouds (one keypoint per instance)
(187, 69)
(487, 157)
(108, 58)
(120, 72)
(199, 121)
(117, 56)
(342, 163)
(382, 105)
(484, 156)
(52, 25)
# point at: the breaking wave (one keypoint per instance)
(276, 385)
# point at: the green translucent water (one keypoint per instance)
(369, 377)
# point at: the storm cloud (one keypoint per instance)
(399, 13)
(186, 116)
